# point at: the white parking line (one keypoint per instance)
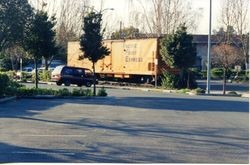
(42, 153)
(54, 135)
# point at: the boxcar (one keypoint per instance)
(136, 59)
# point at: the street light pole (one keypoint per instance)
(209, 49)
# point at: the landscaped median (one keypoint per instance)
(10, 90)
(23, 92)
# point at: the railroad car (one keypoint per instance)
(133, 59)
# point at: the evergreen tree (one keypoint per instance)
(178, 51)
(15, 15)
(40, 41)
(91, 41)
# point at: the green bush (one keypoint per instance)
(204, 74)
(169, 80)
(23, 91)
(199, 91)
(64, 92)
(45, 75)
(197, 73)
(77, 92)
(26, 76)
(87, 92)
(102, 92)
(217, 73)
(233, 93)
(4, 83)
(183, 91)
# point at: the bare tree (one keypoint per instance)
(164, 16)
(225, 56)
(234, 15)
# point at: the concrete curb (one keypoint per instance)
(59, 97)
(245, 95)
(8, 99)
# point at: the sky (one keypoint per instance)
(121, 11)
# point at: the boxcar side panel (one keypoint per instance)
(127, 57)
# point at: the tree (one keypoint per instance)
(130, 32)
(234, 14)
(178, 51)
(164, 16)
(40, 41)
(14, 16)
(91, 41)
(226, 56)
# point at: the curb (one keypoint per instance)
(4, 100)
(59, 97)
(245, 95)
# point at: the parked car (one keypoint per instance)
(72, 75)
(41, 69)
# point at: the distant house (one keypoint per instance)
(201, 42)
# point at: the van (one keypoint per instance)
(68, 75)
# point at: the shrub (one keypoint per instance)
(77, 92)
(23, 91)
(233, 93)
(204, 74)
(4, 83)
(64, 92)
(199, 91)
(45, 75)
(197, 73)
(183, 91)
(169, 80)
(102, 92)
(11, 75)
(217, 73)
(87, 92)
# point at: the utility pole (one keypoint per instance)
(156, 70)
(209, 49)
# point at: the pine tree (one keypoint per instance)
(178, 51)
(91, 41)
(40, 41)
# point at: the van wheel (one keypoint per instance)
(59, 83)
(88, 84)
(67, 83)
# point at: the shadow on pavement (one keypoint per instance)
(195, 139)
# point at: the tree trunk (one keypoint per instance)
(46, 63)
(224, 80)
(36, 74)
(188, 79)
(180, 85)
(94, 92)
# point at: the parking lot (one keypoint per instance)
(128, 126)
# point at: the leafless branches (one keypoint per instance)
(164, 16)
(235, 16)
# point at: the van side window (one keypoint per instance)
(79, 72)
(67, 71)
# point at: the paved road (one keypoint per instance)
(216, 85)
(127, 126)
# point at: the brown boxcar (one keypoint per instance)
(130, 58)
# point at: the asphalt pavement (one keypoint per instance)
(129, 126)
